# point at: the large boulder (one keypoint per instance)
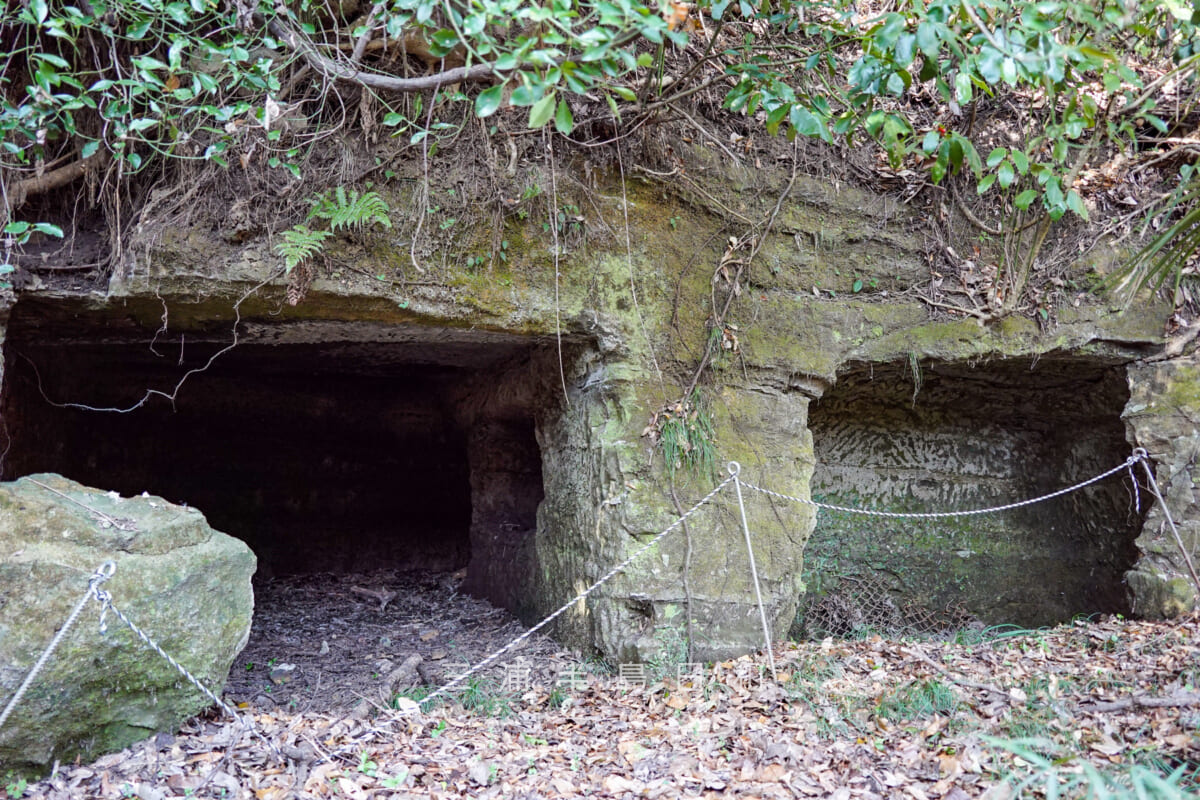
(186, 585)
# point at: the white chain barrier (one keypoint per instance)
(1139, 454)
(104, 598)
(102, 573)
(106, 604)
(495, 656)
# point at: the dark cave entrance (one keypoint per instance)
(948, 436)
(325, 446)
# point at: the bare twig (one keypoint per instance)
(382, 596)
(373, 80)
(981, 315)
(562, 374)
(983, 687)
(1185, 700)
(687, 568)
(360, 47)
(742, 266)
(174, 393)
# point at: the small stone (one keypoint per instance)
(428, 636)
(324, 648)
(385, 641)
(282, 673)
(480, 772)
(406, 705)
(437, 655)
(145, 791)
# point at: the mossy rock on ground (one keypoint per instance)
(185, 584)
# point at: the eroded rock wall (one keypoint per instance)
(1163, 416)
(595, 338)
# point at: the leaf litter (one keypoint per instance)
(866, 718)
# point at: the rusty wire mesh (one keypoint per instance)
(853, 607)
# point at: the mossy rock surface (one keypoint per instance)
(186, 585)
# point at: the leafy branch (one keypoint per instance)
(124, 84)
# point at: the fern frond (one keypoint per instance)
(300, 244)
(1165, 257)
(342, 209)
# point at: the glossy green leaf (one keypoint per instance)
(1006, 175)
(564, 121)
(962, 88)
(542, 111)
(523, 95)
(49, 229)
(1025, 199)
(1075, 203)
(927, 39)
(489, 101)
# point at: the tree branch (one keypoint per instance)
(387, 83)
(360, 47)
(55, 178)
(391, 83)
(411, 43)
(1183, 700)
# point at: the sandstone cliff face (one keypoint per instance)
(542, 388)
(1161, 417)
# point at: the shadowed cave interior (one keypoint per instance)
(337, 447)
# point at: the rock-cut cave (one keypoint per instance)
(948, 436)
(325, 446)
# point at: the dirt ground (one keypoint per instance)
(1101, 708)
(329, 643)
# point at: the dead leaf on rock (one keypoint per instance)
(677, 700)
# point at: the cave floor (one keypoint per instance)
(329, 643)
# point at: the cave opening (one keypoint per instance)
(328, 447)
(945, 436)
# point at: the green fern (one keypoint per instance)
(351, 209)
(300, 244)
(339, 209)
